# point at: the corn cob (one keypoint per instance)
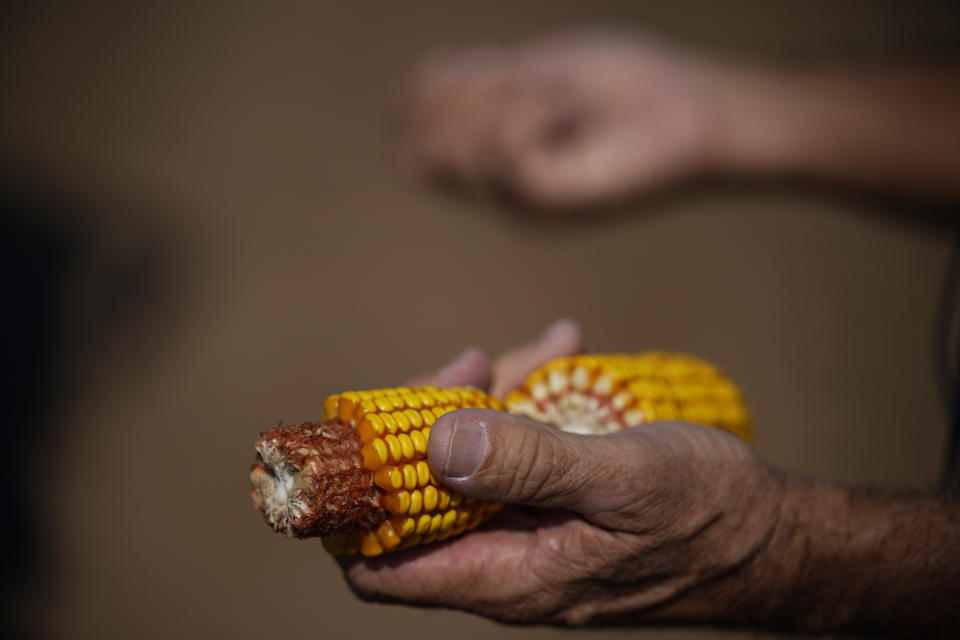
(601, 394)
(360, 479)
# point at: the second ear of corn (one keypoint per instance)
(360, 478)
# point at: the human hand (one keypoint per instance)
(664, 521)
(561, 123)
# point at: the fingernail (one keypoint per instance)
(467, 449)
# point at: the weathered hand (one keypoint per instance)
(561, 123)
(652, 522)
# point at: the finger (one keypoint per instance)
(506, 458)
(471, 573)
(449, 108)
(471, 367)
(562, 338)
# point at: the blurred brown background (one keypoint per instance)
(229, 241)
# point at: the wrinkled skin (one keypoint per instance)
(641, 524)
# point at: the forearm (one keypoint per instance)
(884, 127)
(870, 562)
(842, 560)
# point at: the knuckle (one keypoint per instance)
(539, 477)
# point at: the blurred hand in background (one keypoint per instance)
(560, 123)
(584, 120)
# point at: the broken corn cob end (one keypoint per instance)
(359, 478)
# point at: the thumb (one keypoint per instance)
(501, 457)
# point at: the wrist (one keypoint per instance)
(862, 561)
(759, 124)
(801, 580)
(775, 588)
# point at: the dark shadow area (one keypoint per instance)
(80, 284)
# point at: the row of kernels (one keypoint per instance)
(405, 532)
(408, 476)
(349, 543)
(376, 425)
(355, 404)
(395, 448)
(430, 528)
(460, 397)
(432, 523)
(426, 499)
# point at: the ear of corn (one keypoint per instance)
(604, 393)
(360, 478)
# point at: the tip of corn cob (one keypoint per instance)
(309, 480)
(360, 478)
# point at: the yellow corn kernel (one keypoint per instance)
(393, 446)
(347, 404)
(331, 407)
(423, 473)
(397, 502)
(413, 417)
(416, 502)
(403, 423)
(371, 427)
(406, 446)
(364, 407)
(412, 401)
(419, 442)
(430, 498)
(371, 544)
(423, 524)
(388, 478)
(409, 477)
(443, 499)
(449, 519)
(426, 399)
(374, 454)
(387, 535)
(404, 526)
(388, 422)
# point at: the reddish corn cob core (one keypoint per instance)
(360, 478)
(309, 480)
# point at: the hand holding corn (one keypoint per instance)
(361, 477)
(671, 522)
(613, 510)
